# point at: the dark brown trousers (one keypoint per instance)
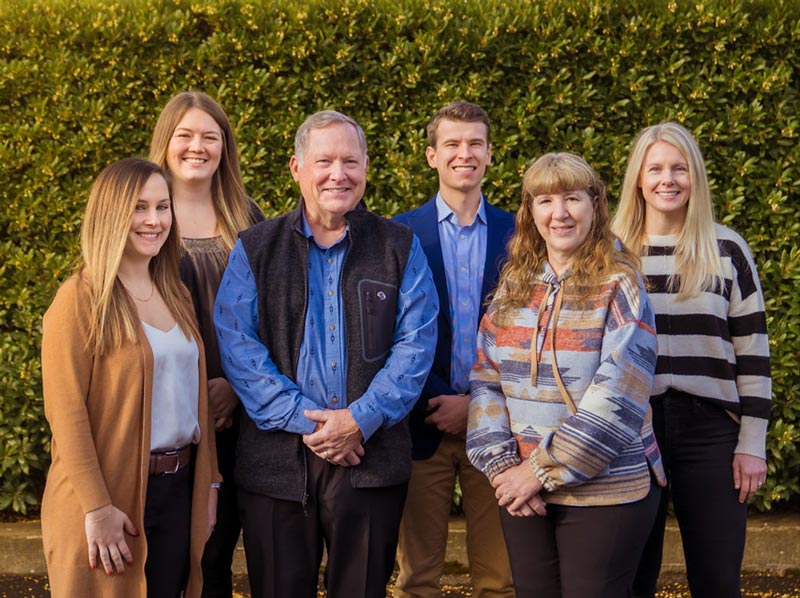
(358, 527)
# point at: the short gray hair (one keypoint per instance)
(319, 120)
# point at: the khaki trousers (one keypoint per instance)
(423, 528)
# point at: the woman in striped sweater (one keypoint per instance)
(559, 393)
(712, 391)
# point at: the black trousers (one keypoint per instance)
(579, 552)
(218, 553)
(697, 440)
(167, 527)
(284, 540)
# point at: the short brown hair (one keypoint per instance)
(460, 111)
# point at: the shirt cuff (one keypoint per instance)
(300, 424)
(369, 420)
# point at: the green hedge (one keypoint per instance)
(82, 85)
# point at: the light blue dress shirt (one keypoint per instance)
(273, 400)
(464, 255)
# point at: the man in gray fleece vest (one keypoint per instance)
(326, 319)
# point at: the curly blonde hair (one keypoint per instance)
(599, 257)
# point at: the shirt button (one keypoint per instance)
(463, 269)
(334, 400)
(333, 364)
(332, 327)
(330, 293)
(330, 260)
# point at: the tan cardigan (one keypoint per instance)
(99, 414)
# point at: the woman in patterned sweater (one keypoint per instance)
(559, 407)
(712, 391)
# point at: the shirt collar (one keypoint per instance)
(444, 212)
(305, 229)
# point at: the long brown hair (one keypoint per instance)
(594, 261)
(104, 233)
(231, 205)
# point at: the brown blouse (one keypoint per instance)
(202, 266)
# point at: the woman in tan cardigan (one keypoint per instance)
(131, 493)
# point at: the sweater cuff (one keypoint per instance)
(752, 437)
(499, 465)
(91, 490)
(547, 481)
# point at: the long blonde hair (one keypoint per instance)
(697, 262)
(594, 261)
(231, 205)
(104, 234)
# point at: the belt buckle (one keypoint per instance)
(176, 453)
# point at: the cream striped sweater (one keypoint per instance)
(714, 345)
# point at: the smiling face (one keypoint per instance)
(666, 184)
(461, 155)
(332, 174)
(151, 221)
(564, 220)
(195, 147)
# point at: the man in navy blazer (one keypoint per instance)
(464, 239)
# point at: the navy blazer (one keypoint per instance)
(500, 226)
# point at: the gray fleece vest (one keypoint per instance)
(273, 463)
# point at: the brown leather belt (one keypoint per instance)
(166, 462)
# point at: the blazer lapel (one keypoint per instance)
(427, 228)
(495, 247)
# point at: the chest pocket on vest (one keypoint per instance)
(377, 303)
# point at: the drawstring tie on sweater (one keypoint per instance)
(536, 355)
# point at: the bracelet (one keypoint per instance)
(216, 485)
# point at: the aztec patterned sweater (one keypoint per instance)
(714, 345)
(605, 350)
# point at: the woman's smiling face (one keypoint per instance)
(563, 220)
(665, 181)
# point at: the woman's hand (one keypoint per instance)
(105, 533)
(749, 474)
(222, 400)
(213, 497)
(517, 489)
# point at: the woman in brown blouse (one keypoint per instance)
(194, 142)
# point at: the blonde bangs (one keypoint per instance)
(558, 173)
